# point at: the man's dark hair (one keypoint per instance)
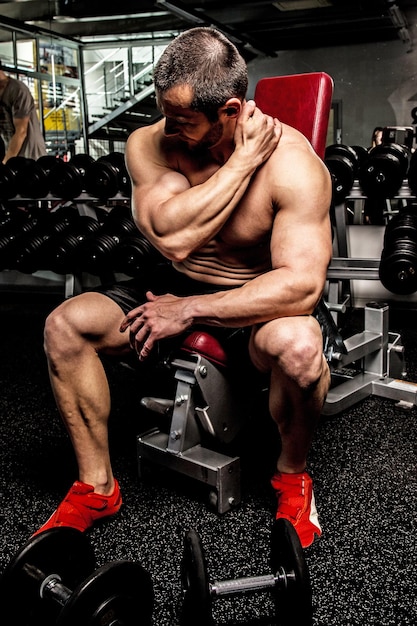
(209, 63)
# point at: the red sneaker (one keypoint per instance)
(296, 503)
(81, 507)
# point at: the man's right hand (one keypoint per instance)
(256, 133)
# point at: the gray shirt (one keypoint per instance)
(17, 102)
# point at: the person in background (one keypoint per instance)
(19, 123)
(376, 138)
(374, 207)
(238, 204)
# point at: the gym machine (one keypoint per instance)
(209, 409)
(374, 361)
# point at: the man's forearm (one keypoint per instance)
(199, 212)
(14, 147)
(269, 296)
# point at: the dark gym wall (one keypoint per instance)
(376, 83)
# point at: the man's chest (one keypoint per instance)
(251, 222)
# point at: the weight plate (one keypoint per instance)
(382, 177)
(120, 592)
(400, 226)
(134, 254)
(65, 181)
(35, 183)
(398, 269)
(82, 161)
(360, 152)
(342, 172)
(8, 183)
(63, 551)
(196, 608)
(393, 150)
(101, 180)
(293, 597)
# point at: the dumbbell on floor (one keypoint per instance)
(52, 580)
(289, 581)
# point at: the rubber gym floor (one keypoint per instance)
(363, 461)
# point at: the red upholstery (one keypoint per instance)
(207, 346)
(302, 101)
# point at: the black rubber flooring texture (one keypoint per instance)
(363, 461)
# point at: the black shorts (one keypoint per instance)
(160, 279)
(163, 279)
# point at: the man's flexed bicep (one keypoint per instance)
(179, 204)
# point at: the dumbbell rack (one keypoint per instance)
(342, 268)
(87, 205)
(374, 360)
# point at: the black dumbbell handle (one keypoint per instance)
(49, 585)
(250, 583)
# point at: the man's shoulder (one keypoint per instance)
(152, 140)
(147, 133)
(18, 86)
(18, 94)
(294, 146)
(291, 137)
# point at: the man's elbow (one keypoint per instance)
(172, 248)
(174, 253)
(312, 296)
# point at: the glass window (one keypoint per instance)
(6, 47)
(107, 79)
(58, 59)
(26, 53)
(62, 117)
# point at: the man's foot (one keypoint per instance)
(81, 507)
(296, 503)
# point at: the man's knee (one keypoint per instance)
(59, 332)
(293, 346)
(89, 321)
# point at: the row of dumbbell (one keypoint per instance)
(381, 171)
(50, 175)
(51, 581)
(65, 242)
(398, 264)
